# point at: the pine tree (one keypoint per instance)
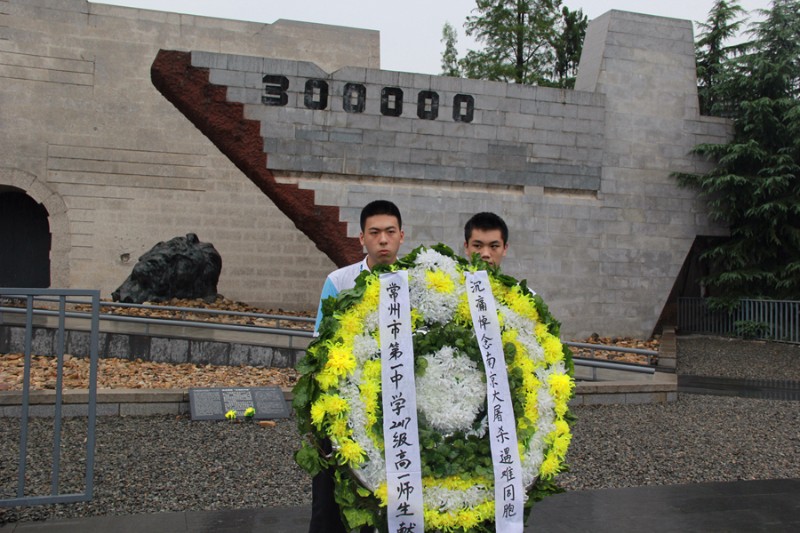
(723, 23)
(755, 187)
(568, 46)
(450, 54)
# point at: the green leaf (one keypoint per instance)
(309, 459)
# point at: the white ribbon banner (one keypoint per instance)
(400, 432)
(509, 497)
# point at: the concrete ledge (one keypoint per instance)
(145, 402)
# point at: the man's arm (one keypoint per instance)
(328, 290)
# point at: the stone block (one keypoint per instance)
(242, 64)
(169, 350)
(206, 352)
(347, 136)
(230, 78)
(382, 78)
(153, 408)
(351, 75)
(285, 358)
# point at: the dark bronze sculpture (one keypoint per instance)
(182, 267)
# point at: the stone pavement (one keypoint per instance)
(740, 506)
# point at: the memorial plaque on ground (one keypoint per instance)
(212, 403)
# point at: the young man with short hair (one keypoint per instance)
(381, 234)
(487, 235)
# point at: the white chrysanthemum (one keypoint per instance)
(365, 346)
(515, 321)
(371, 321)
(447, 372)
(438, 307)
(446, 499)
(432, 260)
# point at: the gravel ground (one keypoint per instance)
(153, 464)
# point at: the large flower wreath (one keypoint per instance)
(338, 396)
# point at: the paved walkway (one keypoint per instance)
(741, 506)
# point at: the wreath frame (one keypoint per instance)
(458, 461)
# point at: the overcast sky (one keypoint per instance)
(411, 30)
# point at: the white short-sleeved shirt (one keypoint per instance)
(338, 281)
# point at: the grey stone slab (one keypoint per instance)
(169, 350)
(208, 352)
(43, 342)
(347, 136)
(243, 354)
(280, 66)
(377, 168)
(286, 358)
(209, 60)
(152, 408)
(231, 78)
(242, 64)
(351, 75)
(308, 163)
(212, 403)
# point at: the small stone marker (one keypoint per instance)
(213, 403)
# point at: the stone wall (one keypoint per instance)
(84, 132)
(583, 177)
(598, 225)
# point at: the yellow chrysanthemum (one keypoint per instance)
(371, 370)
(416, 319)
(334, 404)
(339, 429)
(523, 362)
(457, 482)
(541, 331)
(382, 493)
(318, 413)
(561, 444)
(561, 408)
(372, 293)
(327, 380)
(562, 427)
(350, 324)
(439, 281)
(467, 519)
(550, 466)
(463, 313)
(561, 386)
(553, 351)
(350, 452)
(340, 360)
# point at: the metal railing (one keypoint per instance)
(777, 320)
(595, 364)
(592, 362)
(178, 322)
(29, 296)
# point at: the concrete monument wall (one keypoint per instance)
(84, 132)
(598, 226)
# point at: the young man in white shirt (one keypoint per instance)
(381, 234)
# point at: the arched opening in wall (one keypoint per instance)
(24, 240)
(688, 283)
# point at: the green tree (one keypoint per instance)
(723, 23)
(450, 54)
(517, 37)
(568, 46)
(755, 187)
